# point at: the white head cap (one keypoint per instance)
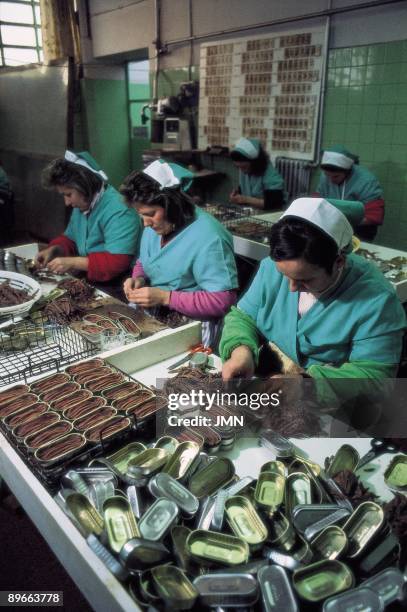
(324, 215)
(162, 173)
(86, 160)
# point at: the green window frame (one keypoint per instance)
(7, 48)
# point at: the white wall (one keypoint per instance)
(122, 26)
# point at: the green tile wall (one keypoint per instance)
(366, 110)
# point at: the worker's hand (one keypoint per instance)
(43, 257)
(61, 265)
(237, 198)
(132, 283)
(239, 365)
(148, 297)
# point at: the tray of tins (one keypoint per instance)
(179, 528)
(228, 212)
(394, 268)
(252, 229)
(73, 414)
(103, 329)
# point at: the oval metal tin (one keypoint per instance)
(330, 543)
(362, 525)
(121, 458)
(86, 514)
(362, 599)
(276, 467)
(276, 590)
(163, 485)
(140, 552)
(227, 590)
(158, 520)
(121, 525)
(269, 490)
(297, 491)
(219, 548)
(345, 458)
(214, 476)
(395, 475)
(173, 587)
(244, 521)
(181, 460)
(323, 579)
(389, 584)
(282, 533)
(147, 462)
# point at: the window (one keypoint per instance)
(20, 32)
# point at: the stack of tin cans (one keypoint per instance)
(183, 531)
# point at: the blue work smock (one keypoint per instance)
(110, 226)
(255, 186)
(361, 320)
(199, 257)
(360, 185)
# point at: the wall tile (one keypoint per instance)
(359, 56)
(401, 115)
(384, 134)
(394, 52)
(391, 73)
(386, 115)
(376, 54)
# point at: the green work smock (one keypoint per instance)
(361, 320)
(110, 226)
(199, 257)
(360, 185)
(255, 186)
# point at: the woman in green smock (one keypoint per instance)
(260, 185)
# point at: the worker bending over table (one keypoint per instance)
(186, 258)
(343, 178)
(332, 313)
(260, 185)
(103, 235)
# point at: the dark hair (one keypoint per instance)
(258, 165)
(294, 238)
(63, 173)
(140, 188)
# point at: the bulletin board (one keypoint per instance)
(266, 87)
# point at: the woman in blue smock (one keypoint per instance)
(103, 235)
(186, 261)
(331, 314)
(260, 185)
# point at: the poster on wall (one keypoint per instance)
(266, 87)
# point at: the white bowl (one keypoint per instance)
(20, 281)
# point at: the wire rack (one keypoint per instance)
(252, 229)
(30, 348)
(228, 212)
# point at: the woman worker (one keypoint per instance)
(342, 178)
(186, 256)
(332, 314)
(260, 185)
(103, 235)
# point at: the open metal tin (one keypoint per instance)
(86, 514)
(83, 407)
(63, 448)
(49, 382)
(121, 391)
(34, 425)
(98, 415)
(105, 382)
(227, 590)
(281, 532)
(84, 366)
(173, 587)
(121, 525)
(269, 491)
(57, 393)
(107, 558)
(323, 579)
(181, 460)
(179, 536)
(297, 491)
(277, 467)
(211, 478)
(330, 543)
(167, 443)
(18, 403)
(48, 434)
(25, 415)
(389, 585)
(9, 394)
(159, 519)
(211, 547)
(107, 429)
(395, 475)
(345, 458)
(245, 522)
(147, 462)
(362, 525)
(62, 405)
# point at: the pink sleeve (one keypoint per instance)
(138, 270)
(202, 304)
